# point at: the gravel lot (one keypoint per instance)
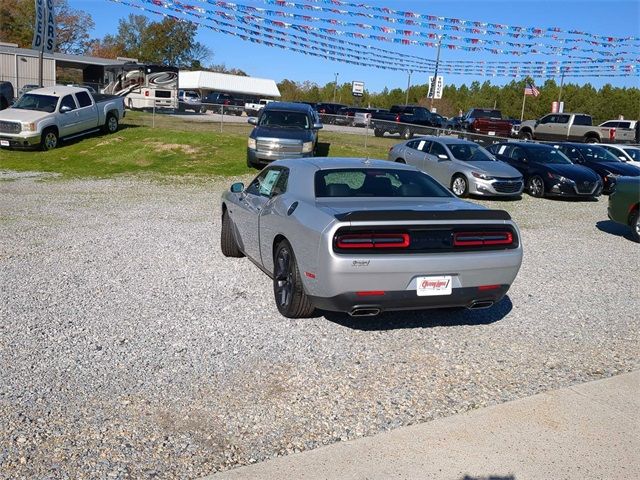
(130, 348)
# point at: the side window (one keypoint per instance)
(413, 144)
(437, 149)
(582, 120)
(562, 119)
(282, 182)
(517, 154)
(572, 153)
(424, 145)
(68, 101)
(504, 150)
(611, 124)
(83, 99)
(264, 183)
(547, 119)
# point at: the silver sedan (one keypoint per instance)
(463, 166)
(363, 236)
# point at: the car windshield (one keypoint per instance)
(40, 103)
(633, 153)
(547, 155)
(598, 154)
(279, 118)
(370, 182)
(469, 152)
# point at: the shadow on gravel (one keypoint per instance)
(572, 199)
(424, 318)
(613, 228)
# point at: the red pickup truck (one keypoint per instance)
(487, 122)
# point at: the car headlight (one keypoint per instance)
(481, 175)
(559, 178)
(307, 147)
(251, 143)
(29, 127)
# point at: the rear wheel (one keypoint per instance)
(288, 290)
(591, 140)
(535, 186)
(459, 186)
(634, 221)
(49, 139)
(377, 132)
(111, 124)
(407, 133)
(228, 243)
(400, 160)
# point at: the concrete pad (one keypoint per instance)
(587, 431)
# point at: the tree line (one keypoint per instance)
(605, 103)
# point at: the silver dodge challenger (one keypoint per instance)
(365, 236)
(464, 166)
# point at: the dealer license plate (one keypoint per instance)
(432, 286)
(492, 133)
(4, 143)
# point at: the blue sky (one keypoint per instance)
(606, 17)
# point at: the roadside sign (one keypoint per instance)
(357, 88)
(436, 90)
(44, 33)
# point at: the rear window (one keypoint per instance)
(369, 182)
(486, 114)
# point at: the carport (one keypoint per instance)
(240, 87)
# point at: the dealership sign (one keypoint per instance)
(357, 88)
(44, 34)
(435, 90)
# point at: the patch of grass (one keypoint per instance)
(170, 146)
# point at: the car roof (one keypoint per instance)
(446, 140)
(289, 106)
(327, 163)
(526, 144)
(57, 90)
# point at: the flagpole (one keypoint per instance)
(524, 99)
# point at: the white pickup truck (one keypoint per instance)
(253, 109)
(571, 127)
(44, 116)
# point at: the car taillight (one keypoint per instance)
(321, 110)
(481, 239)
(372, 240)
(612, 134)
(398, 118)
(146, 93)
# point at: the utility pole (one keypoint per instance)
(435, 76)
(335, 87)
(406, 101)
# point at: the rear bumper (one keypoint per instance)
(19, 141)
(409, 300)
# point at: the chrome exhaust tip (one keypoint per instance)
(364, 312)
(477, 305)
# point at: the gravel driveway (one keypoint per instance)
(130, 348)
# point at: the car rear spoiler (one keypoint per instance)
(409, 215)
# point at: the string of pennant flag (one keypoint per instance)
(455, 24)
(253, 30)
(408, 37)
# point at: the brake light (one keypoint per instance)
(372, 240)
(481, 239)
(370, 293)
(146, 93)
(398, 118)
(612, 134)
(484, 288)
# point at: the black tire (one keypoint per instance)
(535, 186)
(49, 139)
(407, 133)
(228, 243)
(111, 124)
(526, 135)
(591, 140)
(460, 185)
(378, 133)
(634, 223)
(288, 291)
(4, 103)
(400, 160)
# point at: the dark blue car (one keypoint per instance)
(547, 171)
(600, 160)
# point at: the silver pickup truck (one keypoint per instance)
(41, 117)
(570, 127)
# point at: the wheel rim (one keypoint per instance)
(113, 124)
(536, 187)
(459, 186)
(283, 278)
(407, 133)
(638, 225)
(50, 140)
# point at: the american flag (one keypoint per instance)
(530, 89)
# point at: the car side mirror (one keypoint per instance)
(237, 187)
(317, 126)
(253, 120)
(65, 109)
